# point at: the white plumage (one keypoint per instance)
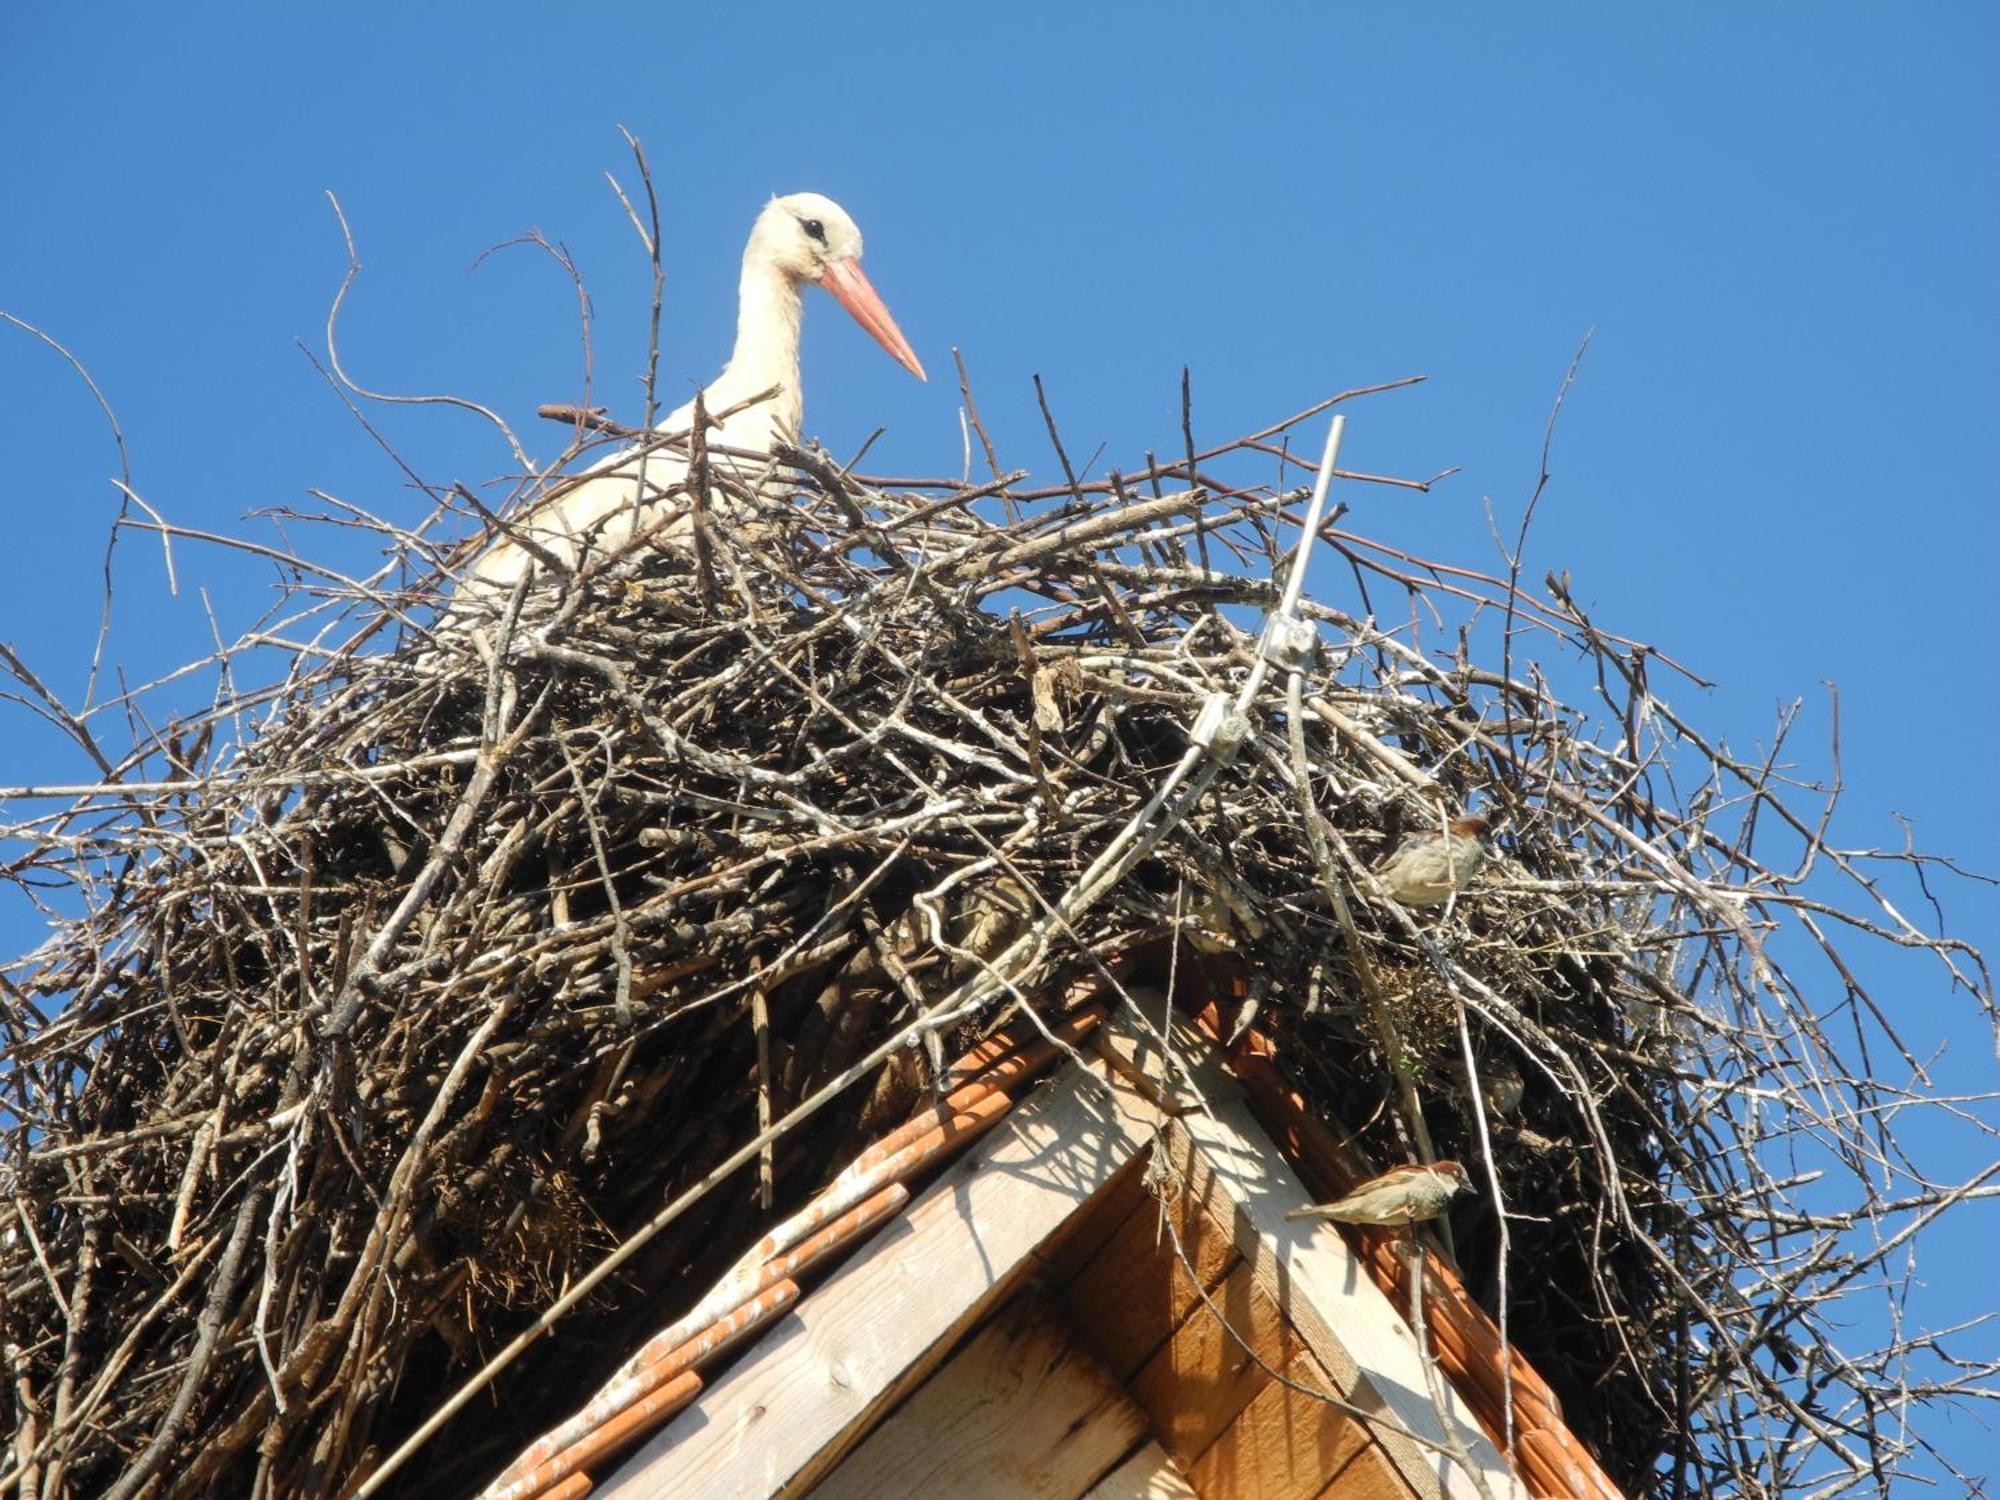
(798, 239)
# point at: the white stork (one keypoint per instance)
(798, 239)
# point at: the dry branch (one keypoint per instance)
(417, 973)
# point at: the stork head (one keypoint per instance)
(809, 237)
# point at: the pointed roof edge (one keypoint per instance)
(1486, 1380)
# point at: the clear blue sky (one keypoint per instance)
(1778, 462)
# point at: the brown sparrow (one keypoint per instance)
(1401, 1195)
(1427, 867)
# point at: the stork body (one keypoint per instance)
(797, 240)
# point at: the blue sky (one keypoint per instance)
(1777, 462)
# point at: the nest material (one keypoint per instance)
(388, 1020)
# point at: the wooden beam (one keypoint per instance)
(1131, 1295)
(1369, 1475)
(1285, 1445)
(1230, 1167)
(1201, 1377)
(1024, 1411)
(1147, 1475)
(1085, 1235)
(794, 1405)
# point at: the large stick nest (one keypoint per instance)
(384, 1019)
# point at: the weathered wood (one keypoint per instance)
(1023, 1412)
(1147, 1475)
(1133, 1292)
(793, 1407)
(1196, 1383)
(1284, 1445)
(1231, 1169)
(1463, 1335)
(1088, 1233)
(1370, 1475)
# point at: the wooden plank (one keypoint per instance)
(1086, 1234)
(1197, 1382)
(1370, 1475)
(1134, 1291)
(1147, 1475)
(790, 1409)
(1024, 1411)
(1463, 1336)
(1285, 1445)
(1229, 1166)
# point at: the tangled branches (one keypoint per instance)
(453, 959)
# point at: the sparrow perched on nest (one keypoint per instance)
(1400, 1196)
(1427, 867)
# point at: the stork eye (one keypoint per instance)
(814, 229)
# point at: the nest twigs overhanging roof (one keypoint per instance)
(396, 987)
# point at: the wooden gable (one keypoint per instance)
(1101, 1299)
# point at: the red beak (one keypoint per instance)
(852, 291)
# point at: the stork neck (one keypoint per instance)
(767, 342)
